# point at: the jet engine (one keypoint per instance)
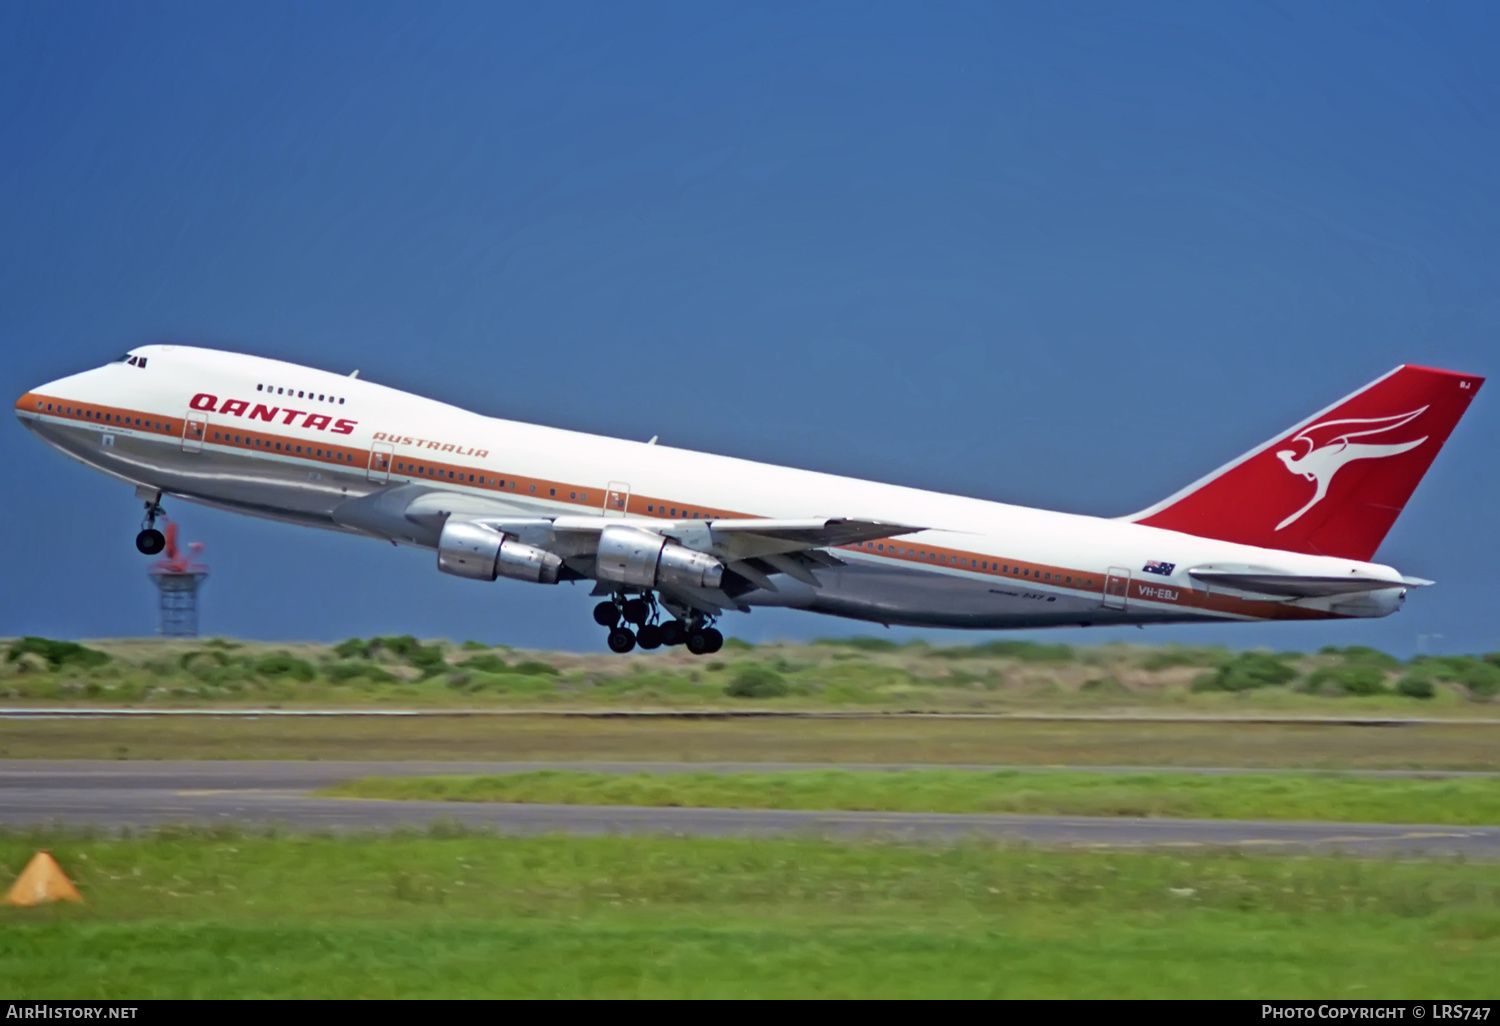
(640, 559)
(476, 551)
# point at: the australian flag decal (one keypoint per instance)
(1154, 567)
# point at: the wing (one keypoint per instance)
(754, 552)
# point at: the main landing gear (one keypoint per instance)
(151, 541)
(619, 614)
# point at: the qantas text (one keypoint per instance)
(240, 408)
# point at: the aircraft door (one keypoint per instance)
(380, 462)
(1116, 587)
(616, 499)
(194, 430)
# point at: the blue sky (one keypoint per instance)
(1065, 255)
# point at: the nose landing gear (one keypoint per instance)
(151, 541)
(651, 631)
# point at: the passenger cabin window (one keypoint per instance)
(290, 392)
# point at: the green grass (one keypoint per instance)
(875, 739)
(1346, 799)
(227, 916)
(866, 674)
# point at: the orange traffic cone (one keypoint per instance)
(42, 881)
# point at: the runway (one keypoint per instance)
(114, 795)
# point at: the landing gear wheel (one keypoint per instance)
(705, 642)
(648, 637)
(606, 615)
(150, 541)
(637, 611)
(621, 641)
(673, 632)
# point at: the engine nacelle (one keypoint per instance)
(475, 551)
(640, 559)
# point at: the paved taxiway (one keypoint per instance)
(114, 795)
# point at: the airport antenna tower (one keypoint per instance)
(178, 576)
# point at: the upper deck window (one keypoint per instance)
(321, 397)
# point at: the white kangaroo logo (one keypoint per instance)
(1321, 461)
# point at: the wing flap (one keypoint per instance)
(817, 532)
(735, 540)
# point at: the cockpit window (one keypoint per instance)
(122, 359)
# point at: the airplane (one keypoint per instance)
(673, 539)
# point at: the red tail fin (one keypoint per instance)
(1334, 484)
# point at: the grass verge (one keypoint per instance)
(201, 915)
(994, 743)
(1347, 799)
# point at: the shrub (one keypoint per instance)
(739, 645)
(1415, 686)
(1348, 679)
(1026, 651)
(1247, 671)
(202, 660)
(427, 658)
(1447, 667)
(489, 663)
(756, 680)
(357, 669)
(864, 644)
(532, 668)
(1105, 686)
(352, 648)
(30, 662)
(284, 664)
(1362, 655)
(1480, 677)
(1177, 655)
(56, 653)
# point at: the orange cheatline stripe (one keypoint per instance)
(933, 557)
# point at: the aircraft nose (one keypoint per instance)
(34, 404)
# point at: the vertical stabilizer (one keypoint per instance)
(1334, 484)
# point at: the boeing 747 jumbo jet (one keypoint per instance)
(672, 539)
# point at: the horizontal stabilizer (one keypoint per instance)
(1284, 585)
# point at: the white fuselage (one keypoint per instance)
(306, 446)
